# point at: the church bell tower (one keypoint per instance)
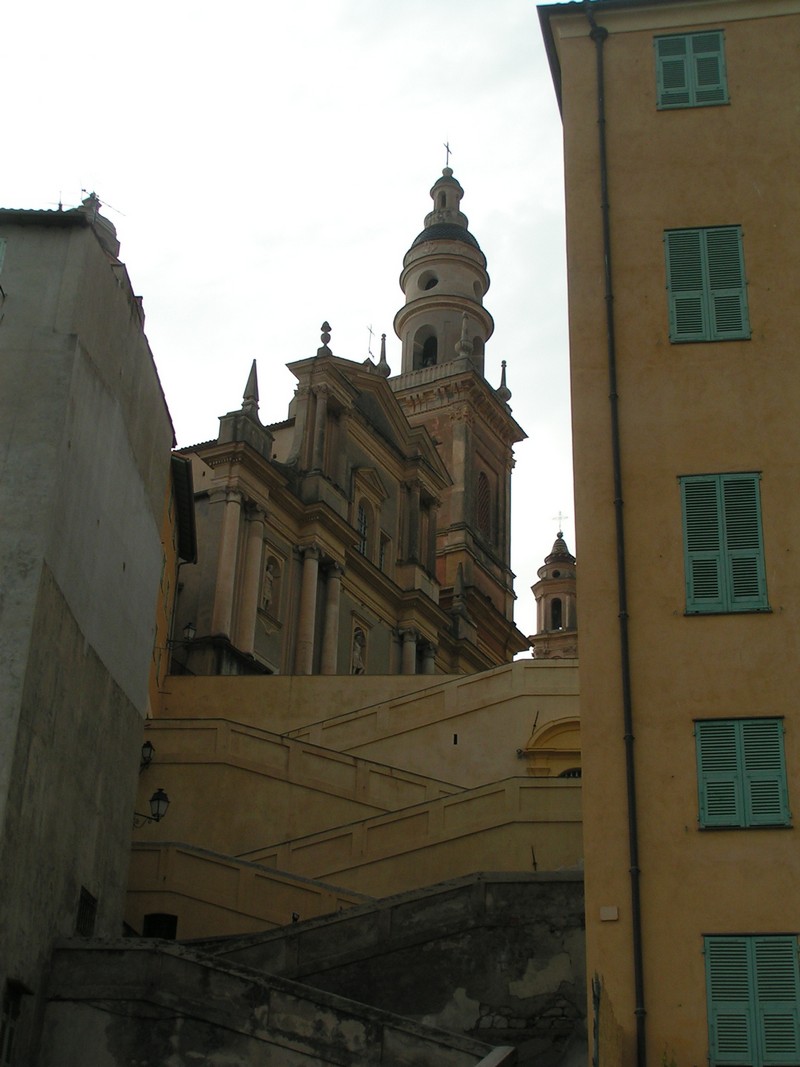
(444, 327)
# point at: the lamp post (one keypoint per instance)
(159, 802)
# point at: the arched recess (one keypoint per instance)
(554, 749)
(426, 347)
(556, 614)
(270, 598)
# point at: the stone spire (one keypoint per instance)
(250, 399)
(383, 367)
(502, 390)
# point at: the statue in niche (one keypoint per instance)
(359, 645)
(268, 584)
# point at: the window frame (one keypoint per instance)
(752, 994)
(741, 773)
(723, 543)
(694, 87)
(706, 284)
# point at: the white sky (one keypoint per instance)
(267, 165)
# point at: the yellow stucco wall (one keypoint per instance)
(684, 409)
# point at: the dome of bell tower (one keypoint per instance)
(444, 280)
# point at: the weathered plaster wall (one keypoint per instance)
(498, 957)
(158, 1005)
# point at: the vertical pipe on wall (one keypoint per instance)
(599, 35)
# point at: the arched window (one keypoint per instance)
(484, 508)
(363, 527)
(429, 352)
(556, 615)
(571, 772)
(426, 347)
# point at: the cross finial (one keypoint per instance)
(448, 153)
(560, 520)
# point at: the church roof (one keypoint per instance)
(446, 231)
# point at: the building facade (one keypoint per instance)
(680, 150)
(85, 472)
(369, 532)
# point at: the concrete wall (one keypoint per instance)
(498, 957)
(464, 728)
(83, 476)
(235, 788)
(212, 893)
(150, 1003)
(519, 824)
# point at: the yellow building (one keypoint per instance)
(681, 152)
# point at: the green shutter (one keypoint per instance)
(723, 545)
(690, 70)
(726, 283)
(719, 779)
(688, 314)
(746, 580)
(776, 992)
(703, 545)
(708, 68)
(672, 72)
(706, 284)
(731, 1017)
(766, 797)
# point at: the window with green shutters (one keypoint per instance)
(723, 547)
(706, 284)
(741, 773)
(752, 1000)
(690, 70)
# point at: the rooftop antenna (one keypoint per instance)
(105, 203)
(369, 343)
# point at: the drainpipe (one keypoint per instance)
(599, 34)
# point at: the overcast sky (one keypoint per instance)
(267, 165)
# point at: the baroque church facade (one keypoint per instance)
(369, 532)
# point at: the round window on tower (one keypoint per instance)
(556, 574)
(427, 280)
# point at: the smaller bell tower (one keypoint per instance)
(556, 634)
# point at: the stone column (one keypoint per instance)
(306, 623)
(222, 614)
(409, 660)
(330, 633)
(320, 424)
(429, 660)
(245, 632)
